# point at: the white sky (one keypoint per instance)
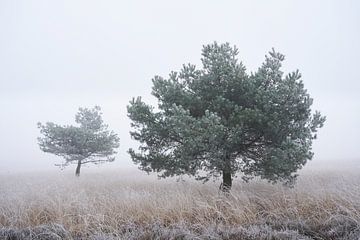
(56, 56)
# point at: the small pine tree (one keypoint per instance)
(90, 142)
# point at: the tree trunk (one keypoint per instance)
(77, 172)
(226, 173)
(227, 181)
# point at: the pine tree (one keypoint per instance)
(220, 120)
(90, 142)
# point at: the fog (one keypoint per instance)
(57, 56)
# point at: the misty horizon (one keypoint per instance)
(57, 57)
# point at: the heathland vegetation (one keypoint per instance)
(131, 205)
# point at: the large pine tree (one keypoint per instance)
(220, 120)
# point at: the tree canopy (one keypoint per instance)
(220, 120)
(90, 142)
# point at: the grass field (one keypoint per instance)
(131, 205)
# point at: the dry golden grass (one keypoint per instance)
(132, 205)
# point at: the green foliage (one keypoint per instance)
(220, 119)
(91, 141)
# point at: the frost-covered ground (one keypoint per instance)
(111, 204)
